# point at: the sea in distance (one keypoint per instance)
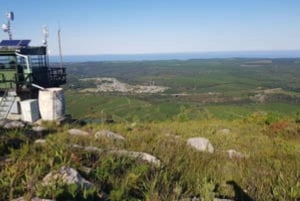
(179, 56)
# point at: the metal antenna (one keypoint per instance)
(59, 46)
(46, 35)
(6, 27)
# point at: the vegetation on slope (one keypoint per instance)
(270, 170)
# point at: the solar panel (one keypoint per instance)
(10, 42)
(15, 43)
(24, 43)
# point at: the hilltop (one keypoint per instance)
(219, 129)
(250, 159)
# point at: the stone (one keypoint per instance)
(108, 134)
(66, 175)
(14, 125)
(39, 129)
(77, 132)
(92, 149)
(139, 155)
(235, 154)
(33, 199)
(40, 141)
(201, 144)
(134, 154)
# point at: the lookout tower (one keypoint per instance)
(21, 68)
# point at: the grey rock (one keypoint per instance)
(66, 175)
(14, 125)
(235, 154)
(40, 141)
(86, 148)
(77, 132)
(39, 129)
(201, 144)
(108, 134)
(92, 149)
(139, 155)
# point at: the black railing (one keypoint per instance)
(49, 77)
(45, 77)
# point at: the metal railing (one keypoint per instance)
(46, 77)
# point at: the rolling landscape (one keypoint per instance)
(150, 100)
(134, 123)
(200, 89)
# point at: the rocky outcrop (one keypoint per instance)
(77, 132)
(201, 144)
(108, 134)
(11, 124)
(66, 175)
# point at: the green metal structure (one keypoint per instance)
(22, 65)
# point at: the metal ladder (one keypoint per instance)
(6, 103)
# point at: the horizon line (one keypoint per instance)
(187, 52)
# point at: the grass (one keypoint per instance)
(266, 134)
(270, 172)
(130, 108)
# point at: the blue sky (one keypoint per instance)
(157, 26)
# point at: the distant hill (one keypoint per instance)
(181, 56)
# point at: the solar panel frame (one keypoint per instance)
(24, 43)
(14, 43)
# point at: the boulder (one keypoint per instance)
(66, 175)
(14, 125)
(201, 144)
(108, 134)
(40, 141)
(235, 154)
(77, 132)
(138, 155)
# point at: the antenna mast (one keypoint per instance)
(6, 27)
(46, 35)
(59, 46)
